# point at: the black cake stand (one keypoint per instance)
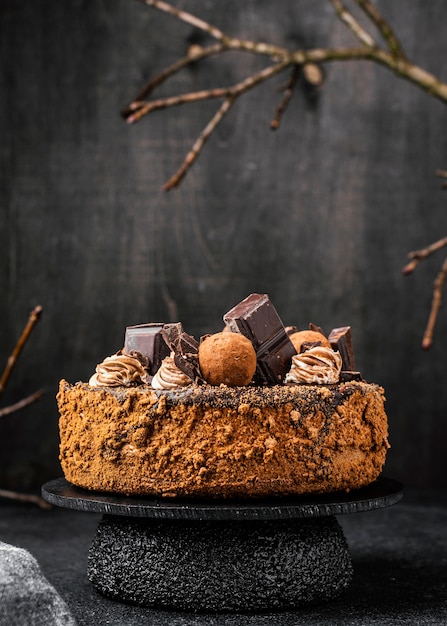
(225, 555)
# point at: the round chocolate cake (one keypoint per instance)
(150, 423)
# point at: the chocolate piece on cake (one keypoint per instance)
(185, 349)
(341, 340)
(257, 319)
(147, 340)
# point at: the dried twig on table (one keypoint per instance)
(25, 497)
(391, 56)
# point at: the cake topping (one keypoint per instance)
(147, 340)
(254, 347)
(227, 358)
(119, 370)
(257, 319)
(341, 340)
(184, 347)
(317, 365)
(302, 337)
(169, 376)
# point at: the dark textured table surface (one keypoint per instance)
(399, 556)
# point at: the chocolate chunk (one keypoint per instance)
(185, 349)
(346, 377)
(341, 340)
(147, 340)
(257, 319)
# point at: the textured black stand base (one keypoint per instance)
(219, 565)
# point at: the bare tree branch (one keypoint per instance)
(438, 287)
(416, 257)
(197, 54)
(391, 57)
(32, 321)
(25, 497)
(419, 255)
(21, 404)
(230, 96)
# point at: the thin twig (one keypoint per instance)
(12, 408)
(227, 41)
(23, 497)
(383, 27)
(186, 98)
(176, 67)
(419, 255)
(416, 257)
(438, 287)
(32, 321)
(288, 92)
(353, 25)
(186, 17)
(231, 94)
(194, 152)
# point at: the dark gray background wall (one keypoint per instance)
(320, 214)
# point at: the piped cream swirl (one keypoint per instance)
(119, 370)
(169, 376)
(316, 365)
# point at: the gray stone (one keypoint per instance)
(26, 597)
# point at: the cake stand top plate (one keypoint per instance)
(381, 493)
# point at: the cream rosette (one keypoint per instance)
(316, 365)
(169, 376)
(119, 370)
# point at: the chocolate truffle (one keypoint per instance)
(227, 358)
(308, 336)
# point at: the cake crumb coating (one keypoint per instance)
(224, 442)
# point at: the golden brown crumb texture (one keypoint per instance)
(222, 441)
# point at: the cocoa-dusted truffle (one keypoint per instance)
(227, 358)
(308, 336)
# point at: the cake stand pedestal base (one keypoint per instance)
(238, 556)
(219, 565)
